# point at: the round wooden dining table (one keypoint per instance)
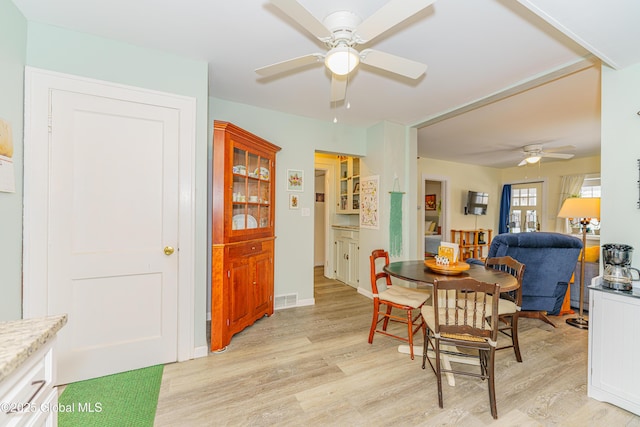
(417, 271)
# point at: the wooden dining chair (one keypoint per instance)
(464, 316)
(387, 297)
(510, 302)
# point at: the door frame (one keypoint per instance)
(38, 84)
(329, 212)
(545, 196)
(444, 209)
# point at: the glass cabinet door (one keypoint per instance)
(349, 185)
(355, 183)
(251, 196)
(344, 183)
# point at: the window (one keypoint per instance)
(526, 201)
(590, 188)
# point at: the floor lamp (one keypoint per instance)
(584, 208)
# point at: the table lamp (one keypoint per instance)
(583, 208)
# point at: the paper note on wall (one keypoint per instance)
(7, 172)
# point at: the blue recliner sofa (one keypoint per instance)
(550, 259)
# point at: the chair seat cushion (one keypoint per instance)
(404, 296)
(428, 314)
(505, 306)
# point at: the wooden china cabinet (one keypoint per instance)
(244, 167)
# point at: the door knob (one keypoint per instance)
(168, 250)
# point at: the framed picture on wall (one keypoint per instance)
(430, 202)
(295, 180)
(369, 202)
(294, 201)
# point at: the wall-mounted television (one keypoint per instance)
(476, 203)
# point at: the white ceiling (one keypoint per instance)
(479, 53)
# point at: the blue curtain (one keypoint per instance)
(505, 206)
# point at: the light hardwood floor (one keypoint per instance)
(313, 366)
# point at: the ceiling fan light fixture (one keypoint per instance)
(532, 159)
(341, 60)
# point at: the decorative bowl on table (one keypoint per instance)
(450, 269)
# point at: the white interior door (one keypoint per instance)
(112, 210)
(526, 205)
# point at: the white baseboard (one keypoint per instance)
(366, 292)
(298, 303)
(304, 302)
(202, 351)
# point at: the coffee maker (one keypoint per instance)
(618, 273)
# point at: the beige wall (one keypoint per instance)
(462, 177)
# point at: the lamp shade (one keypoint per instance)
(341, 60)
(580, 207)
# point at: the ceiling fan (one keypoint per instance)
(534, 152)
(341, 32)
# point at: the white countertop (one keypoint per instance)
(19, 339)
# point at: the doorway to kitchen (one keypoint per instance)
(324, 193)
(335, 226)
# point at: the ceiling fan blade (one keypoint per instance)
(303, 17)
(560, 149)
(395, 64)
(389, 15)
(338, 87)
(290, 64)
(557, 155)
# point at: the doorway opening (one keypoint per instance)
(319, 234)
(526, 207)
(433, 225)
(324, 210)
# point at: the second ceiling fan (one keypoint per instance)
(341, 32)
(533, 153)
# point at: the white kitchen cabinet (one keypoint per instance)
(347, 252)
(28, 396)
(348, 185)
(28, 372)
(614, 343)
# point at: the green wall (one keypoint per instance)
(299, 138)
(13, 46)
(65, 51)
(620, 156)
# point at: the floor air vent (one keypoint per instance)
(285, 301)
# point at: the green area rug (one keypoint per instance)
(125, 399)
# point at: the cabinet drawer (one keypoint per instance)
(245, 249)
